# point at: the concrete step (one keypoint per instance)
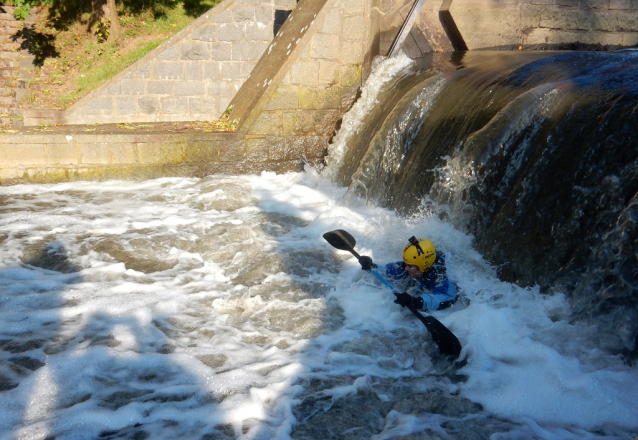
(35, 117)
(7, 91)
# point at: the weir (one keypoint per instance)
(203, 305)
(534, 155)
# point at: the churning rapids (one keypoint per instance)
(213, 309)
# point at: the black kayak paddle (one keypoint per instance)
(448, 344)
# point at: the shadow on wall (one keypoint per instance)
(280, 17)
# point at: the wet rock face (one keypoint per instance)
(382, 407)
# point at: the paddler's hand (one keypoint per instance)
(366, 263)
(405, 299)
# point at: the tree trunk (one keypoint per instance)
(116, 28)
(105, 10)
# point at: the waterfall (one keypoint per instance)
(535, 155)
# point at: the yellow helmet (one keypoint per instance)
(419, 252)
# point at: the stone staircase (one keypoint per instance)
(9, 63)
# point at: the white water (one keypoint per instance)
(207, 305)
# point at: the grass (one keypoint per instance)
(72, 63)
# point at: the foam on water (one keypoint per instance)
(193, 307)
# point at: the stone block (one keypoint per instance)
(256, 149)
(244, 51)
(630, 39)
(265, 14)
(611, 38)
(351, 76)
(553, 19)
(23, 154)
(8, 174)
(320, 98)
(126, 105)
(354, 28)
(287, 148)
(201, 152)
(325, 121)
(258, 32)
(223, 101)
(305, 73)
(160, 154)
(189, 88)
(207, 32)
(316, 146)
(260, 48)
(287, 5)
(578, 20)
(323, 46)
(122, 154)
(332, 23)
(223, 17)
(285, 98)
(605, 21)
(231, 71)
(246, 68)
(205, 105)
(167, 70)
(353, 5)
(628, 22)
(144, 71)
(36, 175)
(196, 51)
(243, 14)
(63, 154)
(297, 123)
(159, 87)
(170, 54)
(99, 106)
(221, 52)
(128, 87)
(352, 52)
(230, 149)
(620, 4)
(194, 70)
(172, 105)
(328, 72)
(211, 70)
(220, 87)
(268, 123)
(231, 32)
(94, 154)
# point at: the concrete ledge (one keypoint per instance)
(69, 153)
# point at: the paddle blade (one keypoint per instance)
(340, 239)
(448, 344)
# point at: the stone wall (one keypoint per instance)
(9, 63)
(36, 157)
(546, 24)
(192, 76)
(321, 53)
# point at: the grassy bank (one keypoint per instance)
(69, 62)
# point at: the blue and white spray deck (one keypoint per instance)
(180, 308)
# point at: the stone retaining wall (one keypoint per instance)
(546, 24)
(192, 76)
(320, 54)
(45, 157)
(9, 63)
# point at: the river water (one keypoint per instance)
(213, 309)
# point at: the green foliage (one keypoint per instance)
(22, 8)
(102, 30)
